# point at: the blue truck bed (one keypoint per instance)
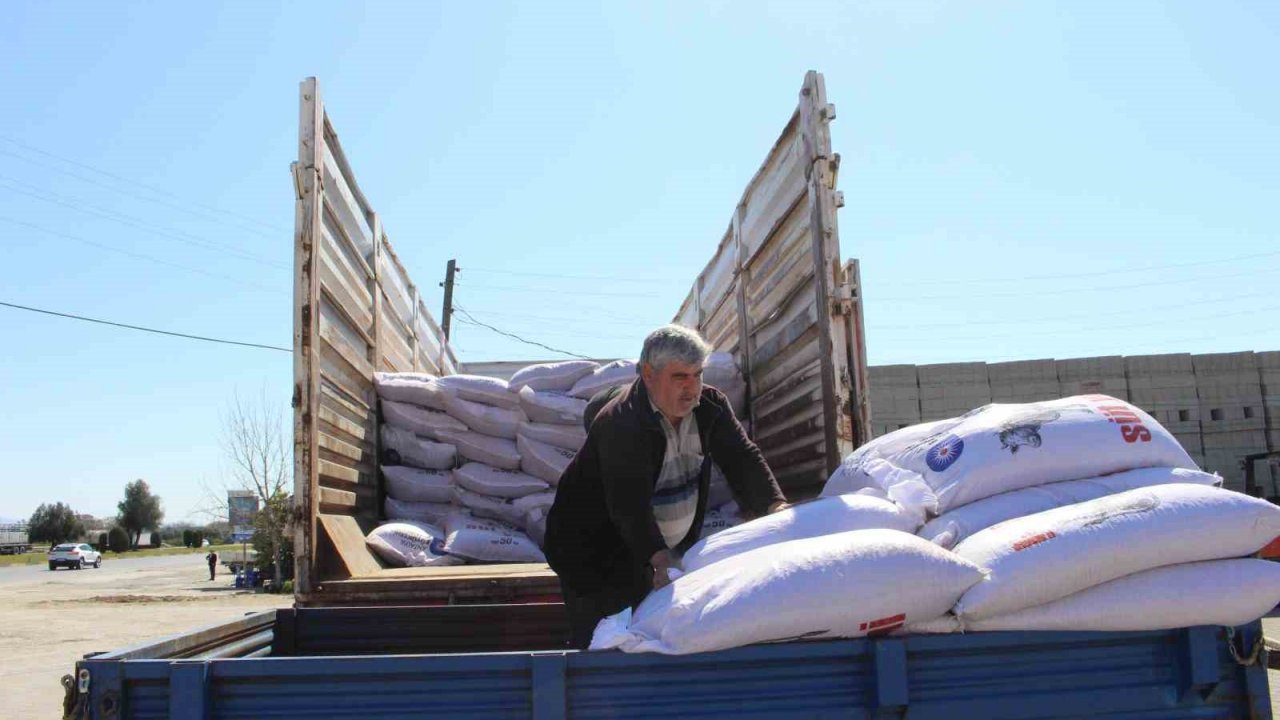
(500, 662)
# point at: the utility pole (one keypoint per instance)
(447, 315)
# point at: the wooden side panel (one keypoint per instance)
(356, 312)
(771, 294)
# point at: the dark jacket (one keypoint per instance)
(601, 529)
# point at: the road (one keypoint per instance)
(48, 620)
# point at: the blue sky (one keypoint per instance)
(1022, 180)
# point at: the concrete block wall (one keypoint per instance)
(1023, 381)
(895, 397)
(1165, 386)
(1092, 376)
(951, 389)
(1269, 374)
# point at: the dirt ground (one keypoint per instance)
(48, 620)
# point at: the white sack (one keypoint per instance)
(497, 452)
(486, 419)
(949, 529)
(1045, 557)
(718, 490)
(535, 525)
(618, 372)
(489, 541)
(720, 518)
(569, 437)
(542, 460)
(555, 408)
(410, 544)
(427, 512)
(1215, 592)
(414, 388)
(1004, 447)
(825, 516)
(849, 584)
(720, 371)
(536, 501)
(487, 480)
(478, 388)
(413, 485)
(558, 377)
(419, 421)
(416, 451)
(489, 506)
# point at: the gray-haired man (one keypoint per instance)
(633, 499)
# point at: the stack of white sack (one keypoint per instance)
(720, 371)
(940, 466)
(552, 377)
(618, 372)
(415, 463)
(1156, 557)
(488, 541)
(850, 584)
(949, 529)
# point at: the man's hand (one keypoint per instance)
(661, 562)
(779, 506)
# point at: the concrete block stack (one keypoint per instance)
(951, 389)
(1165, 386)
(1232, 413)
(895, 398)
(1093, 375)
(1269, 374)
(1023, 381)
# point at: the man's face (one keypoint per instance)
(675, 388)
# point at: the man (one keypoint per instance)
(212, 559)
(633, 498)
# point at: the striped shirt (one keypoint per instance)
(675, 497)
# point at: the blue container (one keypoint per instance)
(326, 662)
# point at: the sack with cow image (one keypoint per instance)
(1002, 447)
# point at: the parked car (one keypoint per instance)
(74, 556)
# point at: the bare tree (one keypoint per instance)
(254, 445)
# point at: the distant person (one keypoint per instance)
(212, 559)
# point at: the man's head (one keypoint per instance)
(671, 365)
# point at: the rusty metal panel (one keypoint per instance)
(356, 311)
(785, 305)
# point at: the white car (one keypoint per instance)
(74, 556)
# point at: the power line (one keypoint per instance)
(140, 256)
(1099, 273)
(577, 320)
(128, 220)
(470, 320)
(1038, 293)
(156, 201)
(934, 338)
(552, 292)
(144, 329)
(610, 278)
(1040, 320)
(136, 183)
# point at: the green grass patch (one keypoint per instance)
(41, 557)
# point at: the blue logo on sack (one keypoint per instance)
(941, 456)
(437, 547)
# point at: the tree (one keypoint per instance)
(103, 542)
(118, 540)
(54, 524)
(253, 442)
(155, 539)
(140, 510)
(187, 536)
